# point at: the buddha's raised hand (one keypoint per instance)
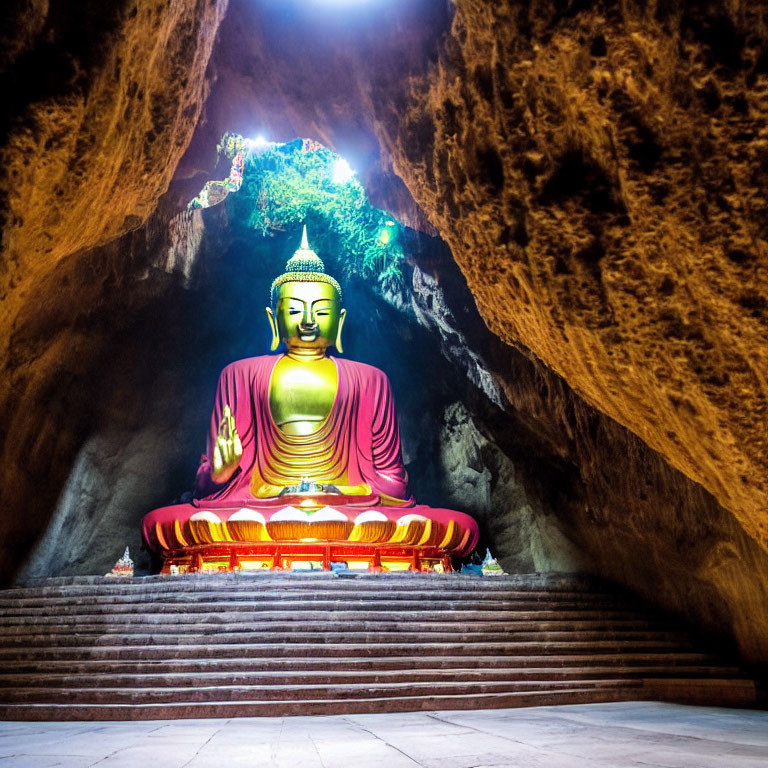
(228, 449)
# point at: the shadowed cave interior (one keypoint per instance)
(578, 348)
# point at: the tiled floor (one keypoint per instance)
(604, 735)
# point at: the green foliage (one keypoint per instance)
(287, 184)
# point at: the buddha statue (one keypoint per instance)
(304, 461)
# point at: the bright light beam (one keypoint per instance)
(258, 144)
(341, 172)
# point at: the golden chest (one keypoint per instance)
(301, 394)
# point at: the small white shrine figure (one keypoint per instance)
(123, 567)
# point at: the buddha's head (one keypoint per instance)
(306, 310)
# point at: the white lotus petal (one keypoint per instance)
(205, 515)
(405, 519)
(250, 515)
(327, 514)
(371, 516)
(288, 514)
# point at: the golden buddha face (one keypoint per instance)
(308, 316)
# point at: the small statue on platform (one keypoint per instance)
(304, 455)
(490, 566)
(123, 568)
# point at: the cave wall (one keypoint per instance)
(603, 501)
(105, 101)
(598, 174)
(516, 522)
(100, 103)
(596, 170)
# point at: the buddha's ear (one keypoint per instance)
(337, 343)
(273, 325)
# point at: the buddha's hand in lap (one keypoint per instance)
(228, 449)
(267, 491)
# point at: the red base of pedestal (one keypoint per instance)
(286, 556)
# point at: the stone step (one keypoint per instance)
(683, 692)
(227, 649)
(204, 604)
(320, 637)
(677, 660)
(286, 582)
(260, 708)
(346, 691)
(470, 676)
(550, 584)
(247, 634)
(340, 617)
(227, 601)
(316, 601)
(51, 626)
(254, 612)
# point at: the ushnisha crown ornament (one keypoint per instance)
(305, 266)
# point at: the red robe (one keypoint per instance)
(358, 443)
(360, 434)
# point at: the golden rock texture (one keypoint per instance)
(90, 163)
(87, 156)
(102, 105)
(600, 177)
(567, 473)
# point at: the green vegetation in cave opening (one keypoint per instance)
(280, 186)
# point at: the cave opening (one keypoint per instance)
(272, 188)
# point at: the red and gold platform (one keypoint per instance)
(290, 537)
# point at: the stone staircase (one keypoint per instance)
(318, 643)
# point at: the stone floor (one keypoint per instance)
(615, 735)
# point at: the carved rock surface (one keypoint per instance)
(599, 174)
(101, 101)
(88, 158)
(571, 488)
(484, 482)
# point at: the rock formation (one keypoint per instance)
(597, 174)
